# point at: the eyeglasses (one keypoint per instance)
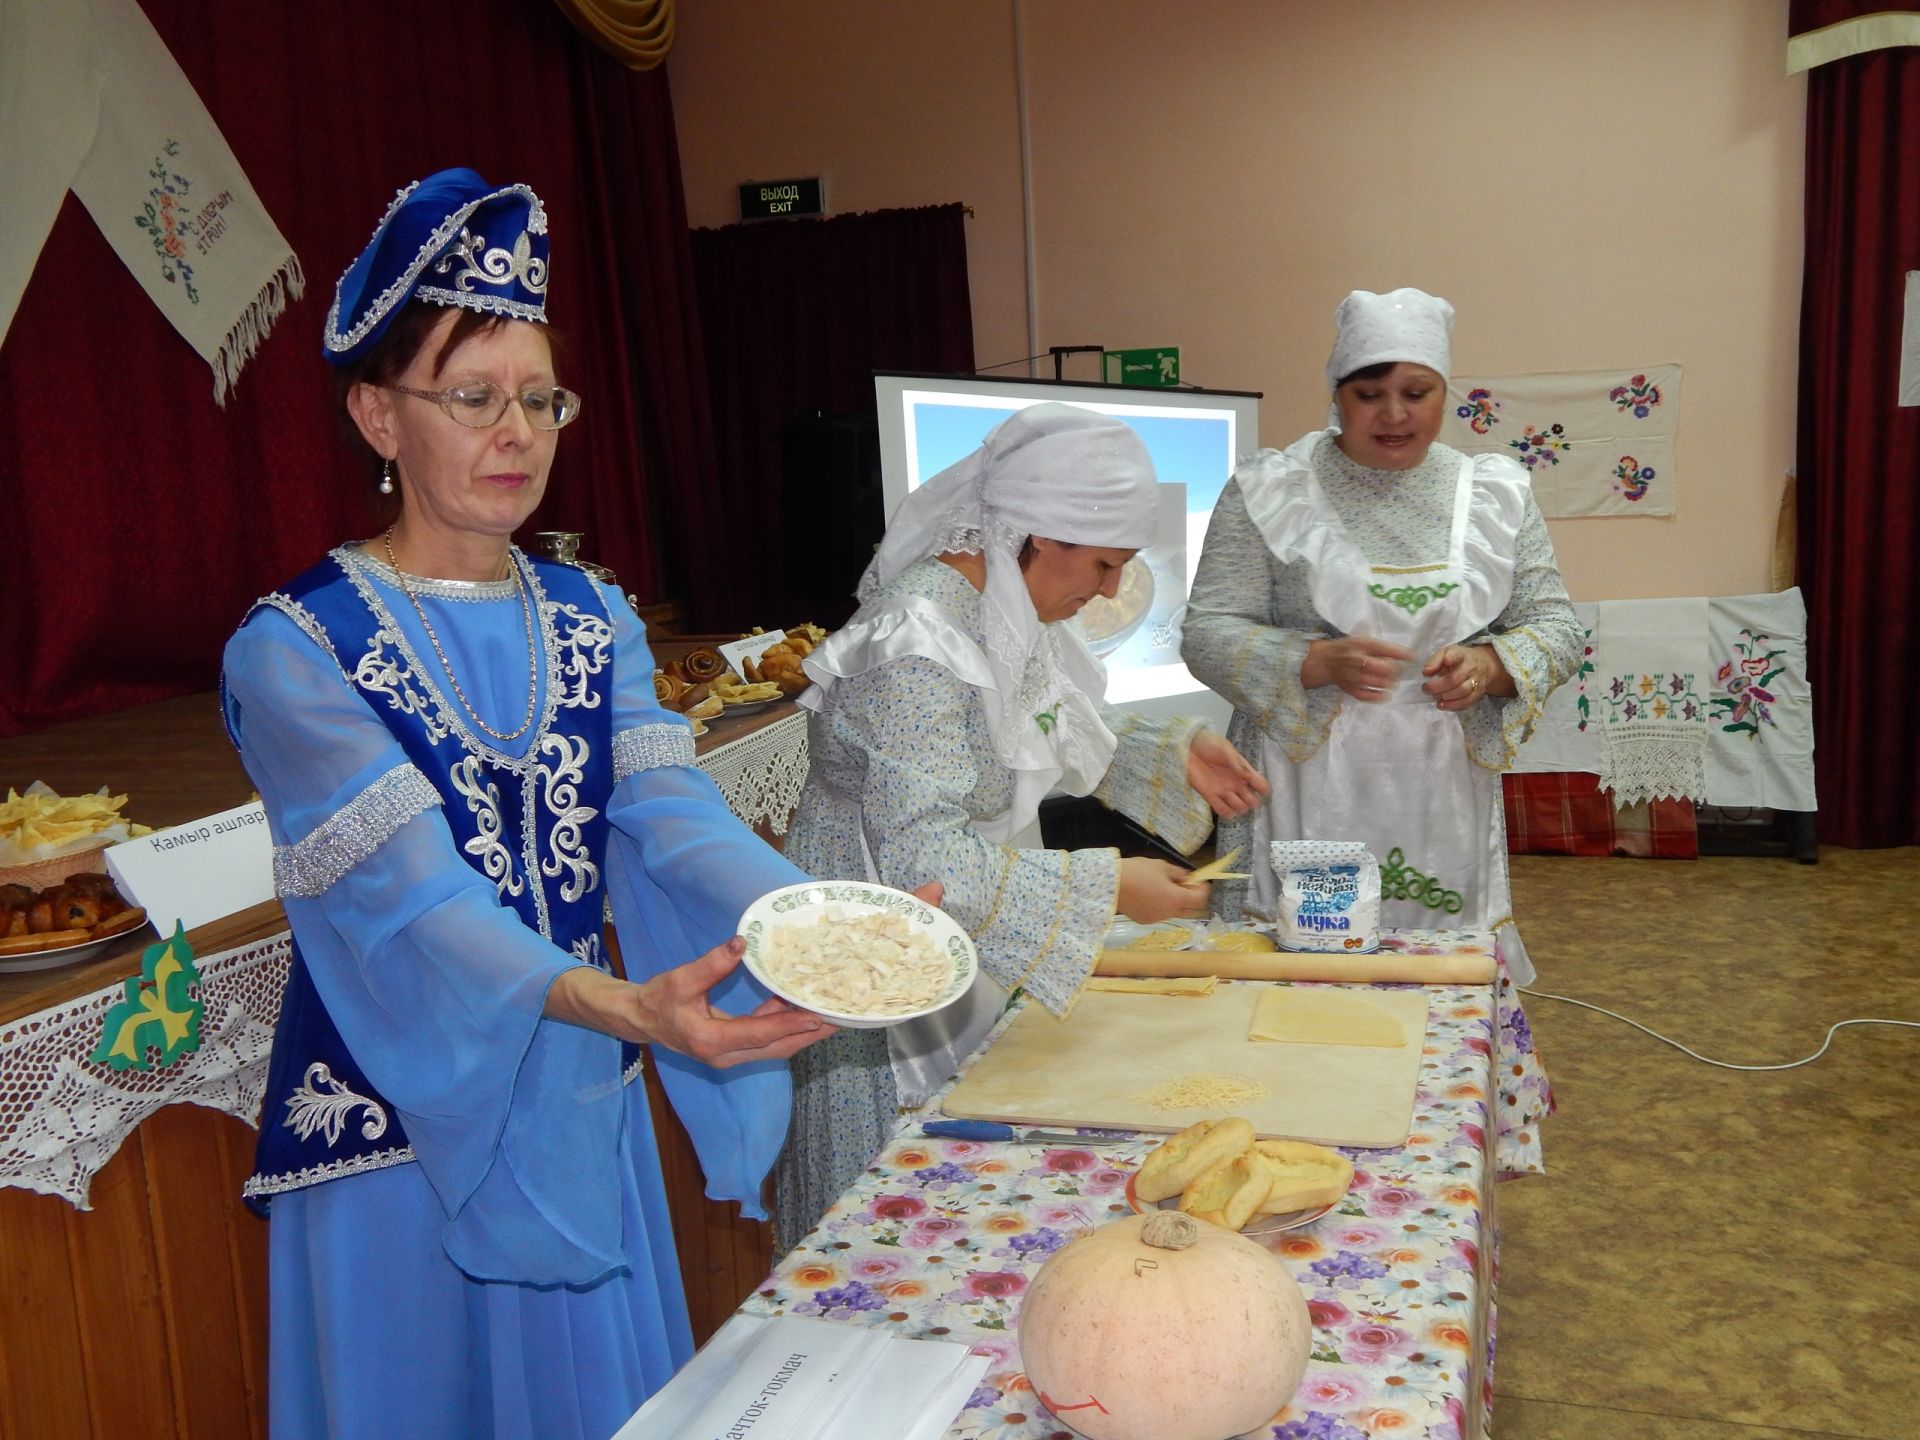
(478, 404)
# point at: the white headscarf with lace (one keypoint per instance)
(1051, 470)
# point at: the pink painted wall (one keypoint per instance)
(1592, 186)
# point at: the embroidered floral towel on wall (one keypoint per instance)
(1760, 709)
(91, 99)
(1597, 442)
(1649, 690)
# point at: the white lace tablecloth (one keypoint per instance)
(761, 774)
(62, 1117)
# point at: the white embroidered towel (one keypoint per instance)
(1650, 669)
(1595, 442)
(1760, 736)
(158, 177)
(1566, 734)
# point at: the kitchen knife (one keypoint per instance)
(994, 1130)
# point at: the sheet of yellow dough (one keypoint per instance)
(1322, 1017)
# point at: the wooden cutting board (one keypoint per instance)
(1090, 1069)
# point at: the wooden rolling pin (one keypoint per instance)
(1459, 969)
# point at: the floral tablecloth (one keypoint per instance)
(941, 1238)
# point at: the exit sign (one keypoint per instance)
(776, 199)
(1159, 366)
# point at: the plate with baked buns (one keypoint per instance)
(63, 922)
(1218, 1172)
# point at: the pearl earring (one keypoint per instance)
(386, 478)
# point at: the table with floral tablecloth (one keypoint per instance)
(941, 1238)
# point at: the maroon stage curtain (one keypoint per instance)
(796, 316)
(1859, 451)
(142, 520)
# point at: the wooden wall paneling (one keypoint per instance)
(116, 1288)
(246, 1235)
(190, 1208)
(43, 1390)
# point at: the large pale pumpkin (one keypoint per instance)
(1157, 1327)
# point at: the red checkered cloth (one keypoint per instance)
(1568, 814)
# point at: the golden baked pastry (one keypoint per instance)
(1182, 1158)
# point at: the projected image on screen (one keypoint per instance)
(1194, 437)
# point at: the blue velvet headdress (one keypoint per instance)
(450, 239)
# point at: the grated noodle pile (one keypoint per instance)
(1203, 1092)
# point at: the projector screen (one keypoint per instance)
(927, 422)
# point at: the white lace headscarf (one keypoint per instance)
(1059, 472)
(1404, 324)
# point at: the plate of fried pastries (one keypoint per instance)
(1218, 1172)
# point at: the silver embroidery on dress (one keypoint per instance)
(589, 949)
(393, 677)
(652, 747)
(560, 784)
(483, 803)
(308, 867)
(311, 1108)
(306, 1175)
(362, 572)
(582, 644)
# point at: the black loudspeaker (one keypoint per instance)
(831, 514)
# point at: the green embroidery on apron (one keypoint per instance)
(1412, 598)
(1400, 881)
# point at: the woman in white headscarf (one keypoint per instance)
(1386, 617)
(947, 709)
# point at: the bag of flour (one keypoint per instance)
(1329, 896)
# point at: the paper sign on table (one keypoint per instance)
(737, 652)
(793, 1378)
(200, 871)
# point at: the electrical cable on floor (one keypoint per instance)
(1722, 1064)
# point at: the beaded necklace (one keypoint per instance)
(526, 608)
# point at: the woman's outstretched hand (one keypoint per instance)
(673, 1008)
(1222, 776)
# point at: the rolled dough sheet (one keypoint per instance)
(1323, 1017)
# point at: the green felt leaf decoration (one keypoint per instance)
(159, 1012)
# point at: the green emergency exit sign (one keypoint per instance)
(1160, 366)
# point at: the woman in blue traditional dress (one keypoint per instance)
(464, 769)
(948, 707)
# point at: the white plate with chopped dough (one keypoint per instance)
(827, 961)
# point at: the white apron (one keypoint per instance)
(1395, 774)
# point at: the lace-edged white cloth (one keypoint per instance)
(62, 1117)
(761, 775)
